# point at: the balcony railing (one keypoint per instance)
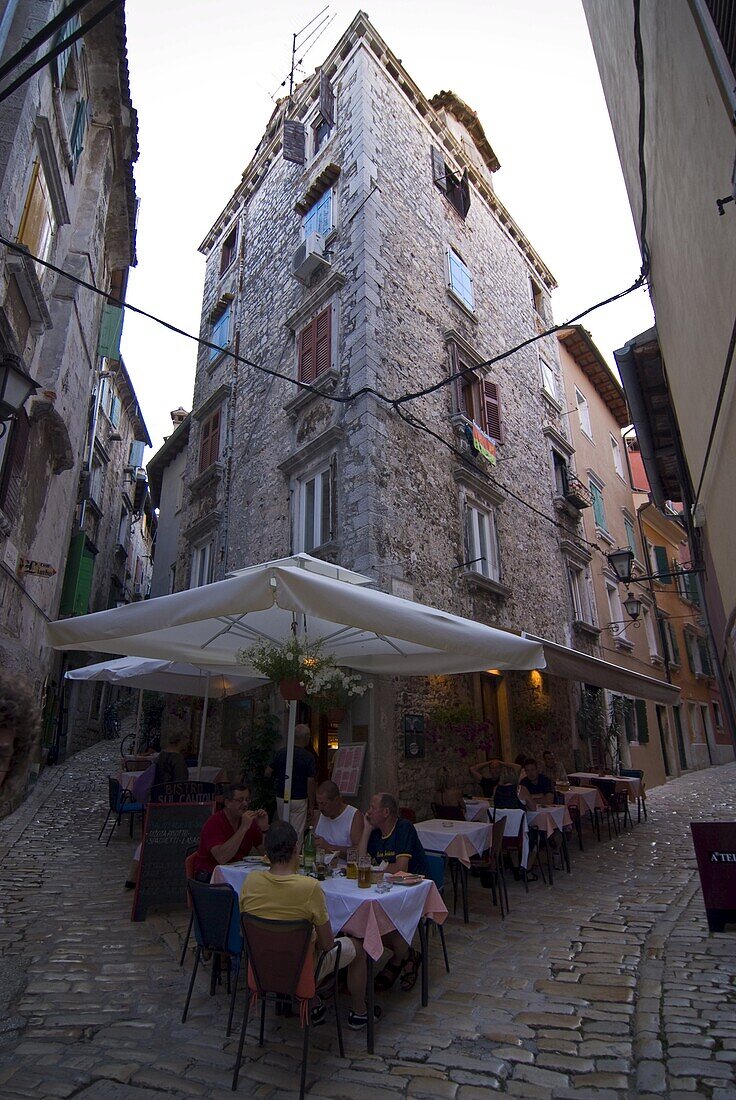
(577, 494)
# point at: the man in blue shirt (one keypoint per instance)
(302, 781)
(386, 836)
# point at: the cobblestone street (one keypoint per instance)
(606, 985)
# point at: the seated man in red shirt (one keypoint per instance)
(230, 834)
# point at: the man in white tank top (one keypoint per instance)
(339, 826)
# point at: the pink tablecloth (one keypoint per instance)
(365, 914)
(457, 839)
(549, 819)
(584, 799)
(634, 787)
(209, 775)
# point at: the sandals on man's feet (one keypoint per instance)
(387, 978)
(410, 970)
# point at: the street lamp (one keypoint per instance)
(621, 561)
(632, 606)
(15, 388)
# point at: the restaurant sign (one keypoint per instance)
(481, 442)
(36, 568)
(715, 851)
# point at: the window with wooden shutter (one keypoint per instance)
(326, 99)
(294, 141)
(456, 188)
(642, 721)
(315, 347)
(227, 253)
(209, 448)
(78, 574)
(662, 564)
(15, 458)
(492, 407)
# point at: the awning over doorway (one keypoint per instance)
(571, 664)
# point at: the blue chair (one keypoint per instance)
(216, 915)
(121, 803)
(436, 865)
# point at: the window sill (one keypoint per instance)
(327, 551)
(604, 536)
(478, 580)
(624, 644)
(326, 383)
(551, 399)
(656, 660)
(23, 267)
(463, 305)
(582, 627)
(209, 476)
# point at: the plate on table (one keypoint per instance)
(403, 878)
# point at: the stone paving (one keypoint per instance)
(607, 985)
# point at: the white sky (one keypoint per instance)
(202, 76)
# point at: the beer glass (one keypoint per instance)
(364, 872)
(351, 871)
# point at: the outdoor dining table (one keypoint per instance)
(549, 820)
(476, 809)
(630, 784)
(586, 800)
(207, 774)
(459, 841)
(367, 915)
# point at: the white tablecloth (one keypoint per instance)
(587, 799)
(476, 809)
(401, 908)
(460, 839)
(549, 818)
(514, 819)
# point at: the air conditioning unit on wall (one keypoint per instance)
(309, 257)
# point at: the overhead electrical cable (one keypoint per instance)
(60, 47)
(42, 36)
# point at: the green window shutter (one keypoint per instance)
(630, 537)
(705, 662)
(77, 577)
(663, 564)
(691, 588)
(642, 722)
(111, 328)
(598, 508)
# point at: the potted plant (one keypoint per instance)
(292, 665)
(331, 689)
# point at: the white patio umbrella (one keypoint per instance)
(370, 631)
(171, 677)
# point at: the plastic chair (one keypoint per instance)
(217, 930)
(641, 801)
(121, 803)
(437, 866)
(189, 863)
(280, 964)
(447, 813)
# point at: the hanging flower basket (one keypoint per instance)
(292, 689)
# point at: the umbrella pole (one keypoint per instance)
(138, 722)
(203, 727)
(289, 760)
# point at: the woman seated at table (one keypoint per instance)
(507, 795)
(171, 767)
(487, 773)
(538, 787)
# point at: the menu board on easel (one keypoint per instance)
(347, 768)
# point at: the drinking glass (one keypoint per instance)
(351, 871)
(364, 872)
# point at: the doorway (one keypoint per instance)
(663, 739)
(680, 739)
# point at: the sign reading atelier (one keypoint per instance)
(294, 141)
(715, 851)
(170, 829)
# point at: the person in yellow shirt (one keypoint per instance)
(282, 894)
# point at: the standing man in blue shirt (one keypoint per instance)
(303, 782)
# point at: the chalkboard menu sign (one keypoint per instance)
(171, 828)
(715, 851)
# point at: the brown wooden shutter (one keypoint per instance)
(326, 99)
(307, 353)
(492, 404)
(294, 140)
(12, 478)
(323, 342)
(464, 194)
(457, 383)
(439, 172)
(209, 450)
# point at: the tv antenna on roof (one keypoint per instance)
(302, 45)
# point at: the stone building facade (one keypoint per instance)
(418, 278)
(67, 196)
(402, 418)
(166, 470)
